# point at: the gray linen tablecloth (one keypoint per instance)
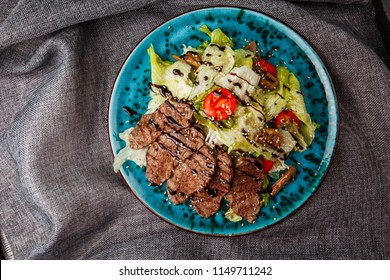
(60, 198)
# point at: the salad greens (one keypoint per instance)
(258, 107)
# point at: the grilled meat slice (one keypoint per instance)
(159, 163)
(170, 116)
(192, 175)
(269, 136)
(176, 197)
(165, 154)
(244, 196)
(191, 58)
(208, 200)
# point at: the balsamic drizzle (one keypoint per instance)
(130, 111)
(163, 90)
(177, 72)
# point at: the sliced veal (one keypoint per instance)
(208, 200)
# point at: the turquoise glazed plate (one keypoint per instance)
(280, 45)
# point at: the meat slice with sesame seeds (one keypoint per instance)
(269, 136)
(165, 154)
(192, 175)
(244, 197)
(170, 116)
(208, 200)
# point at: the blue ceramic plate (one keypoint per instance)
(281, 46)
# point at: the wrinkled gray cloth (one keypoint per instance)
(59, 196)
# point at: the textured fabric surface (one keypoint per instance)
(59, 196)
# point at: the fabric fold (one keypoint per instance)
(59, 195)
(31, 19)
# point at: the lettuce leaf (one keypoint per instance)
(231, 216)
(222, 59)
(242, 81)
(204, 77)
(288, 141)
(217, 36)
(296, 104)
(218, 50)
(162, 74)
(274, 103)
(287, 78)
(155, 102)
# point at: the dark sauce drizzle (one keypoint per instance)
(177, 72)
(207, 63)
(179, 143)
(237, 85)
(171, 192)
(163, 90)
(210, 192)
(220, 48)
(192, 52)
(169, 151)
(173, 122)
(250, 175)
(130, 111)
(258, 164)
(155, 125)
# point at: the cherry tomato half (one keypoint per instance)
(267, 165)
(219, 104)
(264, 65)
(287, 116)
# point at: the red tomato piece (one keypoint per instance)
(219, 104)
(287, 116)
(267, 165)
(265, 65)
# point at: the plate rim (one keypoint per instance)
(334, 148)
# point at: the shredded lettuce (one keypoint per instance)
(242, 81)
(204, 77)
(240, 136)
(288, 141)
(294, 131)
(243, 58)
(274, 103)
(249, 119)
(162, 74)
(231, 216)
(217, 52)
(222, 59)
(296, 103)
(279, 165)
(191, 49)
